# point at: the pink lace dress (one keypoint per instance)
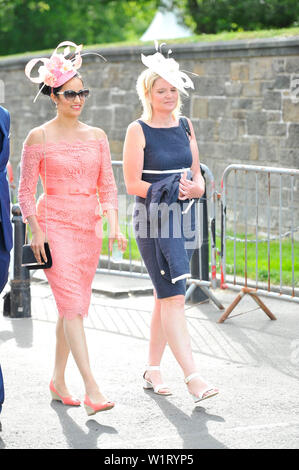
(79, 176)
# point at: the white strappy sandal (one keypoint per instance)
(148, 385)
(210, 388)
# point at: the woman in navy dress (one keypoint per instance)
(157, 146)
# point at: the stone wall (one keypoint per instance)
(245, 107)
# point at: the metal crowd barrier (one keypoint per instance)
(259, 203)
(135, 267)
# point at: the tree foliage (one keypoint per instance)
(213, 16)
(28, 25)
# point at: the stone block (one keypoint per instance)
(269, 151)
(123, 115)
(282, 82)
(251, 89)
(87, 115)
(261, 68)
(236, 152)
(274, 115)
(272, 100)
(209, 151)
(239, 71)
(99, 97)
(242, 127)
(199, 68)
(199, 107)
(290, 111)
(278, 64)
(117, 96)
(217, 67)
(93, 78)
(254, 151)
(266, 85)
(206, 130)
(289, 158)
(112, 76)
(228, 129)
(233, 87)
(128, 80)
(241, 103)
(257, 123)
(293, 137)
(218, 107)
(103, 117)
(292, 64)
(131, 98)
(186, 106)
(239, 114)
(210, 86)
(294, 88)
(277, 129)
(257, 104)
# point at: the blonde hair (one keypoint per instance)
(144, 85)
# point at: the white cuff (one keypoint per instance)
(183, 276)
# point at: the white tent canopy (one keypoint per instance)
(165, 25)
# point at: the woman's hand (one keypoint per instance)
(38, 247)
(121, 241)
(189, 189)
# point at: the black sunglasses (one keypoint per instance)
(70, 95)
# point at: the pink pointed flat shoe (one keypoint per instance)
(93, 408)
(70, 401)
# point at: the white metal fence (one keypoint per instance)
(261, 207)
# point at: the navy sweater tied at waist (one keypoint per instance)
(168, 227)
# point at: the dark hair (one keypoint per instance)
(47, 90)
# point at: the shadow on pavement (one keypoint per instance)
(76, 437)
(193, 429)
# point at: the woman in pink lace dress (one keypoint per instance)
(78, 175)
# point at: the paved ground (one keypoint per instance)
(253, 360)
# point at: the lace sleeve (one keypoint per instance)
(30, 169)
(106, 183)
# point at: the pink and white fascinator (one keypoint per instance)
(57, 69)
(168, 69)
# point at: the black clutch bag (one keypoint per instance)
(28, 258)
(29, 261)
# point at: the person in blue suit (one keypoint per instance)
(5, 223)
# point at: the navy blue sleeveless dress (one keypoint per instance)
(165, 149)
